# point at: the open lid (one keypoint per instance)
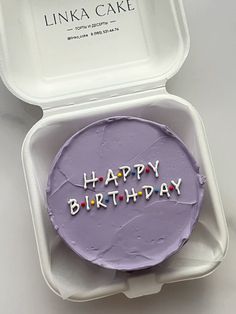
(54, 53)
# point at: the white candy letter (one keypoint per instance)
(87, 203)
(93, 180)
(113, 194)
(111, 177)
(140, 169)
(133, 195)
(164, 189)
(126, 171)
(74, 207)
(177, 185)
(148, 191)
(99, 199)
(155, 168)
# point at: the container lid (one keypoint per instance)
(54, 53)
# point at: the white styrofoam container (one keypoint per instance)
(81, 80)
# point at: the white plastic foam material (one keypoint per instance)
(74, 278)
(40, 65)
(77, 82)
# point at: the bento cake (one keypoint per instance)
(124, 193)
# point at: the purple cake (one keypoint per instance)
(124, 193)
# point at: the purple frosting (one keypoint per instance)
(128, 236)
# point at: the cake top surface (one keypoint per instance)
(124, 193)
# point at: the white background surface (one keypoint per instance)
(207, 80)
